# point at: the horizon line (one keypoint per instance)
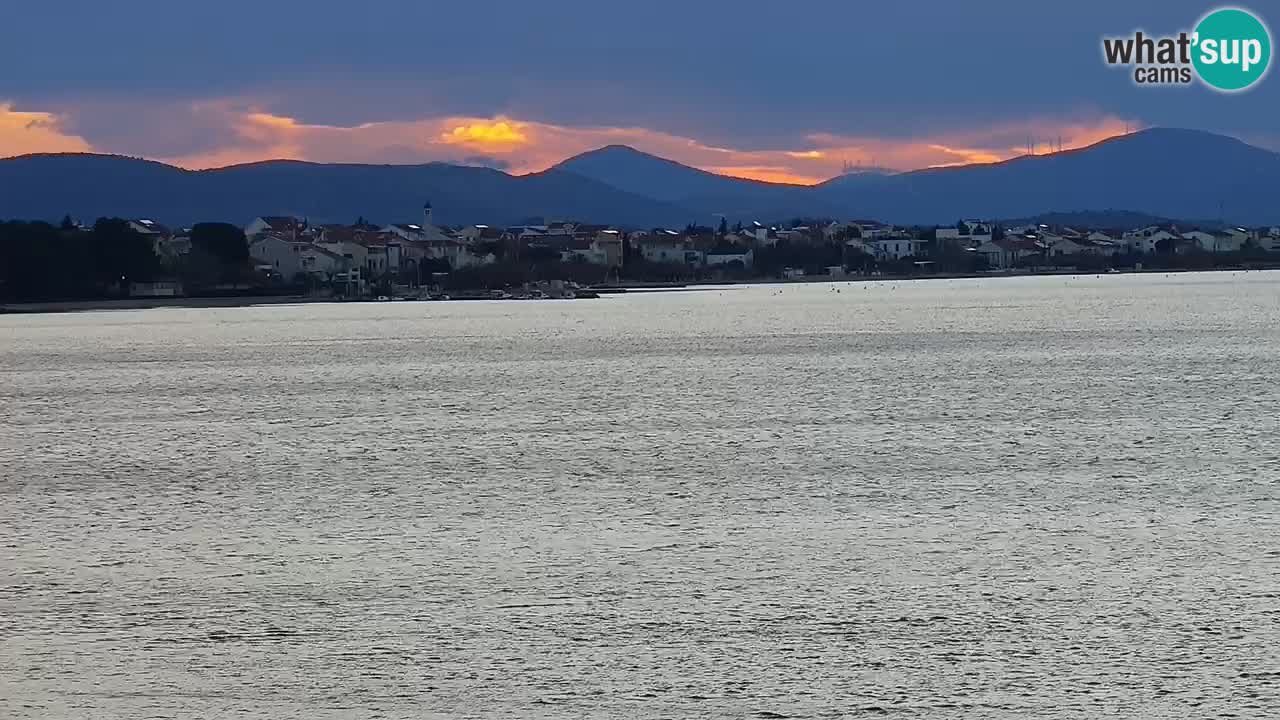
(553, 166)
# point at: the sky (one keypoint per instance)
(790, 91)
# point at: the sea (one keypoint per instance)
(999, 498)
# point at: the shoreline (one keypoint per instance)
(698, 284)
(69, 306)
(63, 306)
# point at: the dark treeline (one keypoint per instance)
(39, 261)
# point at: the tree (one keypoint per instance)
(120, 254)
(724, 227)
(67, 224)
(41, 262)
(541, 254)
(225, 245)
(489, 247)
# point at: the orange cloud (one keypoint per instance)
(964, 147)
(35, 132)
(767, 174)
(499, 134)
(967, 156)
(240, 134)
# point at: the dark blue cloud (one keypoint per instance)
(751, 72)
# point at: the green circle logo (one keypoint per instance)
(1232, 49)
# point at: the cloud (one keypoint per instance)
(487, 135)
(236, 131)
(990, 144)
(35, 132)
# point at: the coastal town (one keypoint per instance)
(422, 259)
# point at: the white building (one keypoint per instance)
(893, 248)
(1218, 241)
(668, 246)
(1146, 240)
(318, 261)
(356, 253)
(150, 228)
(722, 257)
(284, 256)
(977, 233)
(414, 232)
(286, 226)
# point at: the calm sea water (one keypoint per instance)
(1009, 498)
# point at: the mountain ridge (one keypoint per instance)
(1161, 172)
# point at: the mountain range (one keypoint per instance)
(1160, 172)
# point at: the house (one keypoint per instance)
(1269, 239)
(575, 248)
(149, 228)
(342, 242)
(1049, 237)
(730, 256)
(1147, 240)
(949, 238)
(761, 236)
(668, 246)
(480, 233)
(974, 233)
(1005, 253)
(609, 243)
(1078, 243)
(281, 254)
(1160, 240)
(451, 250)
(1218, 241)
(998, 254)
(1105, 245)
(1065, 246)
(414, 232)
(290, 227)
(856, 246)
(873, 229)
(159, 236)
(318, 261)
(378, 260)
(893, 248)
(404, 231)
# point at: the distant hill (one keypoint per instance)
(89, 186)
(1110, 220)
(1158, 173)
(1093, 219)
(706, 193)
(1162, 172)
(643, 174)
